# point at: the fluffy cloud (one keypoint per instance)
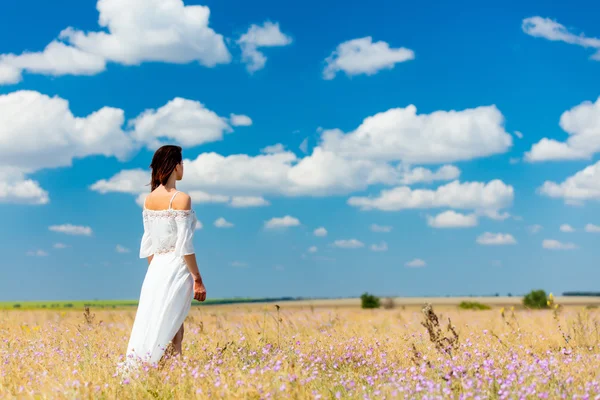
(198, 226)
(496, 239)
(552, 244)
(491, 196)
(400, 134)
(379, 247)
(15, 188)
(133, 181)
(567, 228)
(283, 222)
(39, 131)
(248, 201)
(185, 122)
(56, 59)
(416, 263)
(240, 120)
(582, 123)
(552, 30)
(137, 31)
(267, 35)
(452, 219)
(70, 229)
(313, 249)
(348, 244)
(423, 175)
(223, 223)
(584, 185)
(591, 228)
(363, 56)
(60, 246)
(380, 228)
(320, 232)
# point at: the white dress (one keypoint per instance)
(167, 291)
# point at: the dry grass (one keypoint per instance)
(252, 352)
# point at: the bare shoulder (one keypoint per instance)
(182, 201)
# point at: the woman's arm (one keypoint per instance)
(184, 202)
(150, 259)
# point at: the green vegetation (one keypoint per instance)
(32, 305)
(473, 305)
(536, 299)
(369, 301)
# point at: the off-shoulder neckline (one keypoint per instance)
(167, 210)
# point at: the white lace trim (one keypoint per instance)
(166, 214)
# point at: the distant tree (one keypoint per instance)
(17, 305)
(536, 299)
(369, 301)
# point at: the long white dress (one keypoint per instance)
(167, 291)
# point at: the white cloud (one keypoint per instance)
(549, 29)
(591, 228)
(223, 223)
(552, 244)
(567, 228)
(479, 196)
(381, 228)
(283, 222)
(239, 264)
(363, 56)
(518, 134)
(321, 231)
(424, 175)
(379, 247)
(134, 31)
(267, 35)
(273, 149)
(533, 229)
(313, 249)
(133, 181)
(198, 225)
(439, 137)
(200, 197)
(493, 239)
(582, 123)
(186, 122)
(248, 201)
(70, 229)
(55, 60)
(452, 219)
(584, 185)
(416, 263)
(39, 131)
(16, 188)
(240, 120)
(37, 253)
(348, 244)
(121, 249)
(60, 246)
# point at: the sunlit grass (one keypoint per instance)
(252, 351)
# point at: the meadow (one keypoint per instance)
(311, 351)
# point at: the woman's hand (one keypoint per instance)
(199, 290)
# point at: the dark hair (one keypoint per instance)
(163, 164)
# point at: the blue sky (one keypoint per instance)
(468, 134)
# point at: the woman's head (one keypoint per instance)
(166, 161)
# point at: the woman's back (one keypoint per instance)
(168, 229)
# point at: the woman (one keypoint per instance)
(172, 279)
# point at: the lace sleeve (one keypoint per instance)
(186, 224)
(146, 245)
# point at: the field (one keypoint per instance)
(326, 349)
